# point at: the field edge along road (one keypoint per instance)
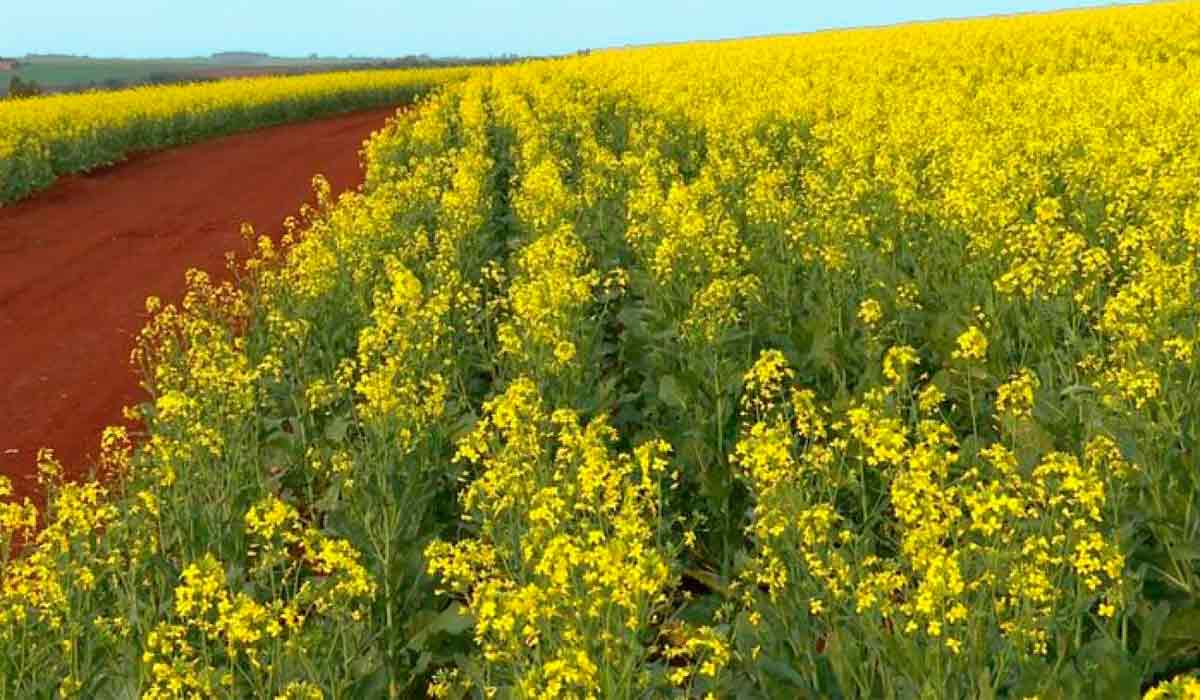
(78, 260)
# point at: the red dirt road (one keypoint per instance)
(78, 260)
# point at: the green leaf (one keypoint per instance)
(670, 393)
(983, 685)
(1076, 389)
(372, 685)
(1181, 632)
(1151, 627)
(1185, 552)
(701, 609)
(1106, 669)
(453, 621)
(710, 579)
(782, 672)
(336, 430)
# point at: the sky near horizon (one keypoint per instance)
(159, 28)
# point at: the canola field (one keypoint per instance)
(851, 365)
(44, 138)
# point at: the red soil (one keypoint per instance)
(78, 260)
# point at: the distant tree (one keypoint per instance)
(240, 57)
(18, 88)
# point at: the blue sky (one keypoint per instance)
(143, 28)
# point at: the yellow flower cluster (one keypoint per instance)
(218, 641)
(37, 586)
(1180, 688)
(982, 549)
(567, 572)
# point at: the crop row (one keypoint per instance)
(44, 138)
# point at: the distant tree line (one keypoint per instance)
(427, 61)
(18, 88)
(240, 57)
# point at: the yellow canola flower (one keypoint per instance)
(972, 345)
(1180, 688)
